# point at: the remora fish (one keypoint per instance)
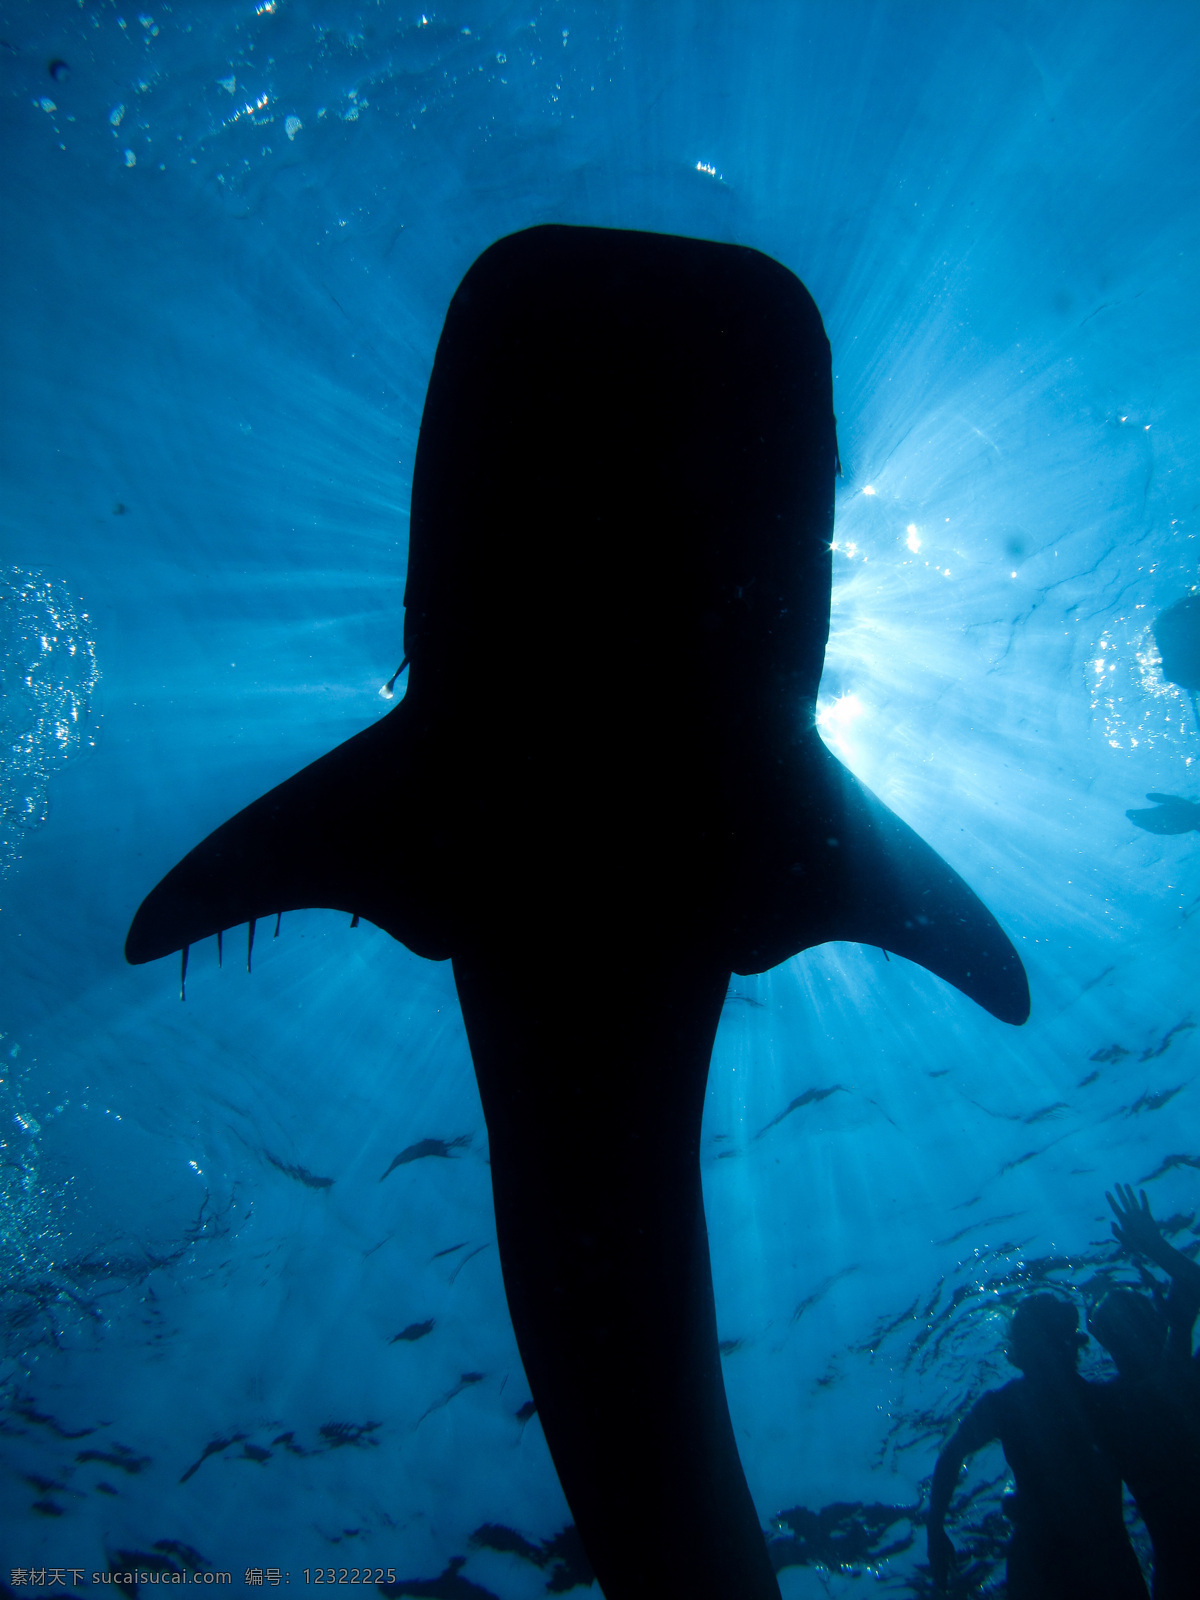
(606, 772)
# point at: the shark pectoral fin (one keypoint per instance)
(332, 836)
(900, 894)
(860, 874)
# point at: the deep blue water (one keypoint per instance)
(230, 236)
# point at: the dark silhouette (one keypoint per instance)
(1171, 814)
(1177, 635)
(1069, 1540)
(448, 1585)
(844, 1537)
(1137, 1232)
(1149, 1415)
(562, 1555)
(606, 769)
(428, 1147)
(414, 1331)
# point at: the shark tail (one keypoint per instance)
(326, 837)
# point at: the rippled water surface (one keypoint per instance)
(236, 1331)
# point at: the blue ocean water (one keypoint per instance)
(231, 1334)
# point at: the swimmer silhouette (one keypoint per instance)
(1069, 1541)
(1171, 814)
(1149, 1417)
(1177, 635)
(603, 791)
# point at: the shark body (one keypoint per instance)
(603, 793)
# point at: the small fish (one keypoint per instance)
(1169, 1164)
(191, 1559)
(288, 1441)
(821, 1291)
(1020, 1161)
(1155, 1102)
(1046, 1111)
(427, 1147)
(1152, 1053)
(299, 1174)
(214, 1448)
(414, 1331)
(467, 1381)
(975, 1227)
(43, 1485)
(337, 1435)
(118, 1456)
(448, 1585)
(468, 1257)
(808, 1098)
(45, 1420)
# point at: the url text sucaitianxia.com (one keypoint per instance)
(252, 1578)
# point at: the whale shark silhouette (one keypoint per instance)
(602, 793)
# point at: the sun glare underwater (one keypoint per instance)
(251, 1306)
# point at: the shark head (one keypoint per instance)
(624, 482)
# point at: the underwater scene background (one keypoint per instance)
(250, 1303)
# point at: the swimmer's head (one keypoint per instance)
(1044, 1333)
(1132, 1329)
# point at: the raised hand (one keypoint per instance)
(1135, 1229)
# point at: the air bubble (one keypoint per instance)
(48, 675)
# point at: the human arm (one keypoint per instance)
(979, 1427)
(1137, 1231)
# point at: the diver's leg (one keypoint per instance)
(592, 1081)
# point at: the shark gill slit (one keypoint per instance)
(250, 941)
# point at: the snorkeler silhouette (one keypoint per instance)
(1177, 635)
(1148, 1417)
(1069, 1541)
(603, 792)
(1171, 814)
